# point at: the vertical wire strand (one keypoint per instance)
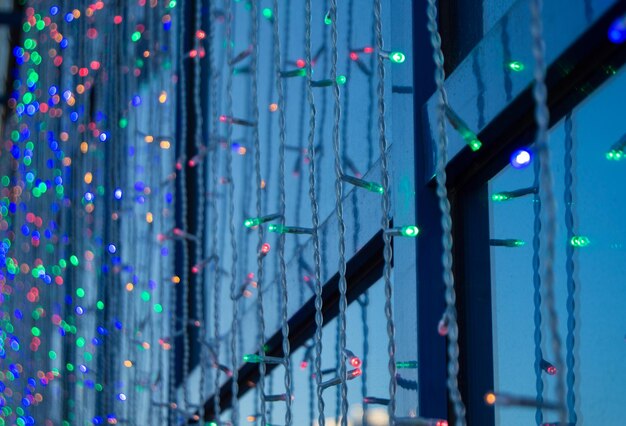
(446, 220)
(570, 270)
(281, 192)
(199, 287)
(542, 118)
(343, 301)
(537, 317)
(254, 16)
(215, 70)
(386, 211)
(231, 218)
(315, 220)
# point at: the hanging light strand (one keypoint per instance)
(542, 118)
(570, 270)
(254, 22)
(317, 285)
(281, 192)
(446, 219)
(386, 211)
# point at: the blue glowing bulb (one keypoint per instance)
(617, 30)
(136, 100)
(111, 248)
(521, 158)
(121, 397)
(118, 194)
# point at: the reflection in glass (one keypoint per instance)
(590, 266)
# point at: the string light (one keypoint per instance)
(255, 359)
(352, 374)
(282, 229)
(406, 364)
(580, 241)
(492, 398)
(548, 367)
(256, 221)
(404, 231)
(515, 66)
(616, 153)
(370, 186)
(509, 195)
(340, 80)
(507, 243)
(232, 120)
(460, 126)
(617, 30)
(395, 57)
(521, 158)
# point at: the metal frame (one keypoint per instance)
(584, 63)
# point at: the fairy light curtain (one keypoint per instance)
(87, 203)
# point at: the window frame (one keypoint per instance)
(586, 56)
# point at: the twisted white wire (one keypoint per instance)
(542, 118)
(446, 219)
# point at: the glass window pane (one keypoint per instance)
(589, 285)
(366, 338)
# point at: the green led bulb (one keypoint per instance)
(370, 186)
(135, 36)
(251, 222)
(253, 358)
(327, 19)
(406, 364)
(397, 57)
(510, 242)
(515, 66)
(500, 197)
(267, 13)
(475, 144)
(409, 231)
(341, 80)
(256, 221)
(615, 155)
(579, 241)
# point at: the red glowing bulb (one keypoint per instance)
(355, 361)
(368, 49)
(300, 63)
(354, 56)
(304, 365)
(265, 248)
(551, 370)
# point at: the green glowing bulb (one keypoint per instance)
(579, 241)
(135, 36)
(276, 228)
(409, 231)
(158, 308)
(145, 296)
(267, 13)
(341, 80)
(406, 364)
(615, 155)
(35, 331)
(516, 66)
(52, 355)
(254, 358)
(397, 57)
(80, 292)
(74, 260)
(100, 304)
(474, 144)
(69, 366)
(172, 4)
(80, 342)
(251, 222)
(500, 197)
(327, 19)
